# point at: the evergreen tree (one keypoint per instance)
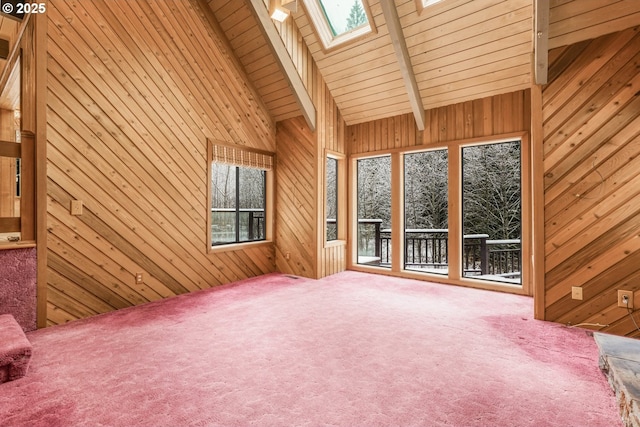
(357, 17)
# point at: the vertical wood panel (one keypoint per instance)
(592, 181)
(500, 114)
(134, 91)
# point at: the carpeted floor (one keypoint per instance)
(349, 350)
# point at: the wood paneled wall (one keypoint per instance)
(134, 91)
(330, 136)
(300, 220)
(243, 31)
(591, 114)
(496, 115)
(296, 192)
(573, 21)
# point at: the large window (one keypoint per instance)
(238, 195)
(492, 212)
(455, 211)
(374, 211)
(426, 207)
(338, 21)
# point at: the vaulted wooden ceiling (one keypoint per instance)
(459, 50)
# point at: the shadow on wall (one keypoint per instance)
(18, 286)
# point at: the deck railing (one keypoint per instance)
(428, 248)
(251, 225)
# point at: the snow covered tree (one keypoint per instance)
(357, 17)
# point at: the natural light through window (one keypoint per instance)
(343, 15)
(423, 4)
(338, 21)
(426, 3)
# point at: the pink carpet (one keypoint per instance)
(349, 350)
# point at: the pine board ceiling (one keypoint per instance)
(460, 50)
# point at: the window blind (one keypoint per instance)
(241, 157)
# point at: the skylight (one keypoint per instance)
(343, 15)
(337, 21)
(422, 4)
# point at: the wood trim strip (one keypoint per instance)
(10, 149)
(9, 225)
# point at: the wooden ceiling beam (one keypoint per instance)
(404, 60)
(285, 62)
(541, 42)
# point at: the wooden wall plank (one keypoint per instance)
(295, 198)
(578, 20)
(592, 180)
(134, 91)
(242, 30)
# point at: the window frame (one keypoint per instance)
(268, 194)
(341, 196)
(323, 31)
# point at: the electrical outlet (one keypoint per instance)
(287, 255)
(628, 303)
(139, 278)
(576, 292)
(76, 207)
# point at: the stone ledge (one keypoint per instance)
(620, 361)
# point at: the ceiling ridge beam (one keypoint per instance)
(285, 62)
(404, 60)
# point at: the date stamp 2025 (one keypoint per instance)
(22, 8)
